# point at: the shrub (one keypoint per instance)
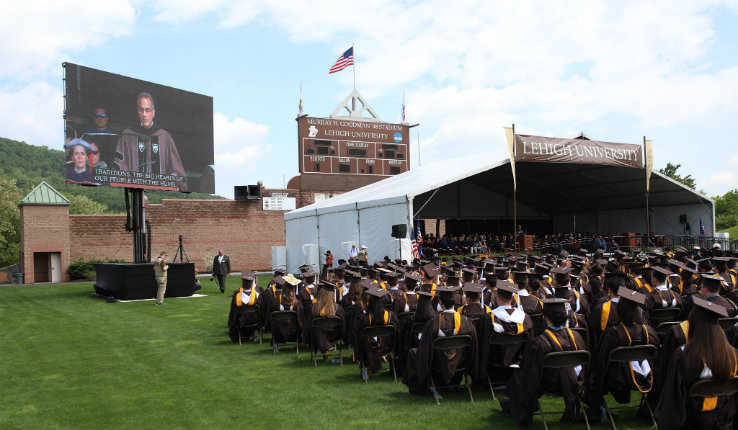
(85, 269)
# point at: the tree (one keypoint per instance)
(10, 196)
(671, 171)
(83, 205)
(726, 210)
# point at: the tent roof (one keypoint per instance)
(557, 187)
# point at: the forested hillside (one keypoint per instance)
(28, 165)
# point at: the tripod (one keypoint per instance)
(181, 252)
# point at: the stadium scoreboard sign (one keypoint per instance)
(333, 146)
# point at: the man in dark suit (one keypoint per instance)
(221, 269)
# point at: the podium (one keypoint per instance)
(525, 243)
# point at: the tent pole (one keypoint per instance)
(648, 210)
(515, 203)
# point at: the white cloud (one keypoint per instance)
(722, 177)
(37, 35)
(239, 145)
(33, 114)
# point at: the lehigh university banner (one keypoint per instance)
(577, 151)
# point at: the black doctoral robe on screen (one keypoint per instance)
(422, 361)
(531, 380)
(676, 410)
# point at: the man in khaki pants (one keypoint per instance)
(160, 273)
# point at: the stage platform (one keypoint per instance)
(134, 281)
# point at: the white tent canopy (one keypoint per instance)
(572, 197)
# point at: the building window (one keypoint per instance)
(323, 150)
(357, 152)
(344, 168)
(371, 169)
(394, 170)
(389, 154)
(317, 167)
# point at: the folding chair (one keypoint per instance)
(277, 316)
(318, 323)
(246, 313)
(663, 328)
(379, 332)
(559, 360)
(663, 315)
(503, 339)
(403, 317)
(446, 343)
(712, 388)
(626, 354)
(727, 323)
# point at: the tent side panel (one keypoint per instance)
(375, 225)
(299, 231)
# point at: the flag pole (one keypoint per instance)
(353, 65)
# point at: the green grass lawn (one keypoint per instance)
(733, 231)
(71, 360)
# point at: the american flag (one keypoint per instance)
(345, 60)
(403, 109)
(419, 239)
(702, 228)
(416, 253)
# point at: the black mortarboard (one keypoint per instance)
(248, 276)
(327, 286)
(413, 277)
(308, 273)
(554, 306)
(711, 281)
(441, 289)
(376, 292)
(473, 288)
(630, 295)
(506, 286)
(710, 311)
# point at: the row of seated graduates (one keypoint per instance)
(539, 285)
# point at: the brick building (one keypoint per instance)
(51, 238)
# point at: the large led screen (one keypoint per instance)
(125, 132)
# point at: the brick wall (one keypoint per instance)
(44, 229)
(244, 231)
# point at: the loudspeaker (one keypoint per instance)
(682, 219)
(399, 231)
(240, 192)
(246, 192)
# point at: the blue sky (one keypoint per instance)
(615, 70)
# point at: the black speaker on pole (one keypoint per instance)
(399, 231)
(682, 219)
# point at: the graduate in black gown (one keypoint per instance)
(325, 306)
(707, 355)
(286, 330)
(371, 351)
(423, 361)
(621, 378)
(247, 295)
(531, 380)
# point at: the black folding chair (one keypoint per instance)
(713, 388)
(662, 315)
(447, 343)
(276, 317)
(381, 331)
(320, 323)
(403, 317)
(626, 354)
(245, 313)
(503, 339)
(559, 360)
(727, 323)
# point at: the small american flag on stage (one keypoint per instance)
(414, 243)
(419, 238)
(345, 60)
